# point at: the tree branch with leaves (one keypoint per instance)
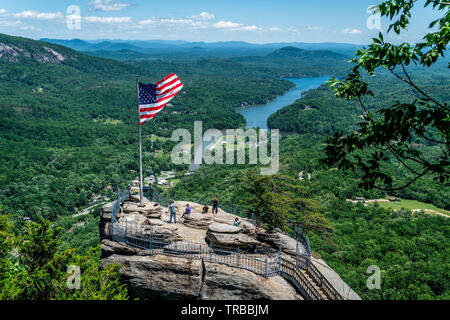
(391, 132)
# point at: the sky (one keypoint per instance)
(255, 21)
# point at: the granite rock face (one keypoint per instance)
(288, 245)
(150, 275)
(197, 220)
(223, 228)
(149, 211)
(160, 276)
(231, 240)
(225, 283)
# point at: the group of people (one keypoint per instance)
(187, 212)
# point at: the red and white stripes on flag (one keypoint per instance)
(153, 98)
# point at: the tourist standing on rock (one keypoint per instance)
(173, 212)
(215, 206)
(188, 211)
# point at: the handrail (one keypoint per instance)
(133, 235)
(292, 272)
(326, 287)
(298, 235)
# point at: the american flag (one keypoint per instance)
(153, 98)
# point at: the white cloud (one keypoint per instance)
(234, 26)
(39, 15)
(204, 16)
(250, 28)
(176, 21)
(6, 23)
(107, 5)
(292, 30)
(30, 28)
(172, 22)
(2, 11)
(276, 29)
(227, 25)
(108, 20)
(352, 31)
(147, 22)
(314, 28)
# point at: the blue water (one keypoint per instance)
(257, 116)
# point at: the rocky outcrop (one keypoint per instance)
(231, 240)
(176, 277)
(223, 228)
(111, 247)
(225, 283)
(150, 210)
(288, 244)
(164, 233)
(15, 53)
(160, 276)
(197, 220)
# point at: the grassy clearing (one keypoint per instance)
(412, 205)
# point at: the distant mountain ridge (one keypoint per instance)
(291, 51)
(22, 51)
(245, 48)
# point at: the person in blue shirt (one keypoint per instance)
(188, 210)
(237, 222)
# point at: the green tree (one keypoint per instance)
(6, 238)
(44, 273)
(392, 132)
(263, 202)
(278, 199)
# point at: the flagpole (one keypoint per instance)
(140, 149)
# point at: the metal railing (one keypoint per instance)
(327, 288)
(145, 239)
(238, 210)
(122, 196)
(292, 272)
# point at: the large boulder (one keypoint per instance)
(223, 228)
(105, 221)
(288, 244)
(153, 222)
(197, 220)
(225, 283)
(150, 210)
(107, 208)
(165, 233)
(112, 247)
(245, 226)
(160, 276)
(230, 240)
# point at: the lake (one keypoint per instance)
(257, 116)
